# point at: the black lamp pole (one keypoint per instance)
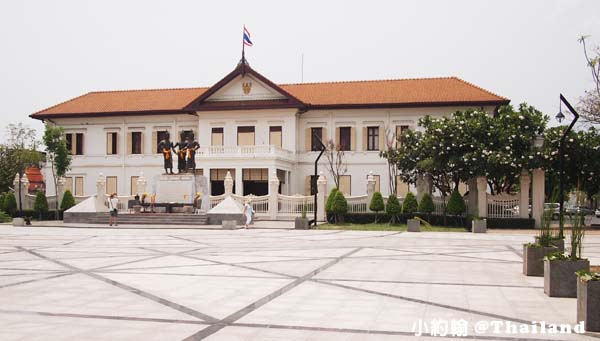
(560, 117)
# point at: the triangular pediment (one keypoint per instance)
(245, 88)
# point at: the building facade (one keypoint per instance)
(252, 128)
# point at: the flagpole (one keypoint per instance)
(243, 52)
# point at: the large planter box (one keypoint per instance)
(588, 304)
(479, 226)
(413, 225)
(533, 259)
(560, 279)
(559, 243)
(18, 222)
(301, 223)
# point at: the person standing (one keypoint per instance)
(113, 203)
(248, 212)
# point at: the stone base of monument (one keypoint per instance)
(229, 224)
(181, 188)
(228, 209)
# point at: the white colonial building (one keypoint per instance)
(251, 127)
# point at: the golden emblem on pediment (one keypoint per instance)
(246, 86)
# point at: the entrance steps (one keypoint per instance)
(140, 218)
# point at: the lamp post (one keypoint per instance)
(559, 117)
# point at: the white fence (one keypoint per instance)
(295, 204)
(503, 206)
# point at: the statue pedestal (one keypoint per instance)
(182, 188)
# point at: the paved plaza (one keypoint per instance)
(267, 284)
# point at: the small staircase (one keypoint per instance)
(150, 219)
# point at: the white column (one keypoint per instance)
(141, 184)
(206, 173)
(62, 182)
(100, 193)
(481, 196)
(538, 194)
(239, 182)
(273, 192)
(23, 191)
(228, 183)
(321, 192)
(525, 182)
(370, 188)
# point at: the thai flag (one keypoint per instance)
(247, 40)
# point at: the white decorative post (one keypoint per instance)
(481, 196)
(370, 188)
(61, 188)
(537, 199)
(273, 193)
(321, 190)
(141, 184)
(100, 193)
(525, 181)
(23, 191)
(228, 184)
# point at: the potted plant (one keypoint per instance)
(559, 269)
(534, 253)
(588, 300)
(479, 225)
(554, 238)
(301, 223)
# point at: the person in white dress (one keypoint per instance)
(248, 211)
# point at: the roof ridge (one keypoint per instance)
(141, 90)
(372, 80)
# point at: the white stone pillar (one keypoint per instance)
(321, 192)
(525, 182)
(23, 191)
(61, 187)
(370, 189)
(228, 183)
(141, 184)
(239, 182)
(481, 196)
(473, 205)
(428, 184)
(420, 186)
(538, 195)
(273, 193)
(101, 193)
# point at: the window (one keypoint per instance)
(136, 142)
(400, 130)
(160, 135)
(111, 144)
(255, 174)
(345, 184)
(377, 183)
(401, 187)
(373, 138)
(245, 136)
(187, 134)
(75, 143)
(316, 136)
(111, 184)
(218, 174)
(133, 187)
(345, 138)
(217, 137)
(69, 184)
(275, 136)
(78, 191)
(310, 185)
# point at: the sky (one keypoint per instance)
(55, 50)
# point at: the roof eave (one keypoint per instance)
(407, 105)
(39, 116)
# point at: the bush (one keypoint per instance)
(438, 220)
(510, 223)
(377, 204)
(329, 201)
(456, 204)
(10, 203)
(49, 215)
(410, 205)
(339, 207)
(40, 206)
(426, 205)
(2, 198)
(393, 208)
(4, 218)
(68, 201)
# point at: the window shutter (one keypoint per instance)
(108, 143)
(128, 142)
(142, 142)
(337, 136)
(155, 142)
(381, 139)
(117, 139)
(365, 142)
(307, 185)
(308, 139)
(324, 135)
(352, 138)
(74, 144)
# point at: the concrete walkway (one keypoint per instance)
(267, 284)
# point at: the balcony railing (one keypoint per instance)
(244, 151)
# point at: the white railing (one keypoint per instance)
(439, 204)
(243, 151)
(503, 206)
(260, 204)
(215, 200)
(357, 204)
(293, 205)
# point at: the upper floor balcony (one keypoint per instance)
(245, 152)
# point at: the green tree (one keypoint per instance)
(339, 207)
(40, 206)
(589, 103)
(329, 202)
(10, 203)
(426, 205)
(410, 205)
(68, 201)
(57, 155)
(393, 208)
(456, 204)
(377, 205)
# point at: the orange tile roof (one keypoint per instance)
(434, 91)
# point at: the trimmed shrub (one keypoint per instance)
(393, 208)
(410, 205)
(2, 198)
(339, 207)
(426, 205)
(438, 220)
(68, 201)
(456, 204)
(377, 205)
(10, 203)
(49, 215)
(329, 201)
(4, 218)
(40, 206)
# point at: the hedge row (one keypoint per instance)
(439, 220)
(49, 215)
